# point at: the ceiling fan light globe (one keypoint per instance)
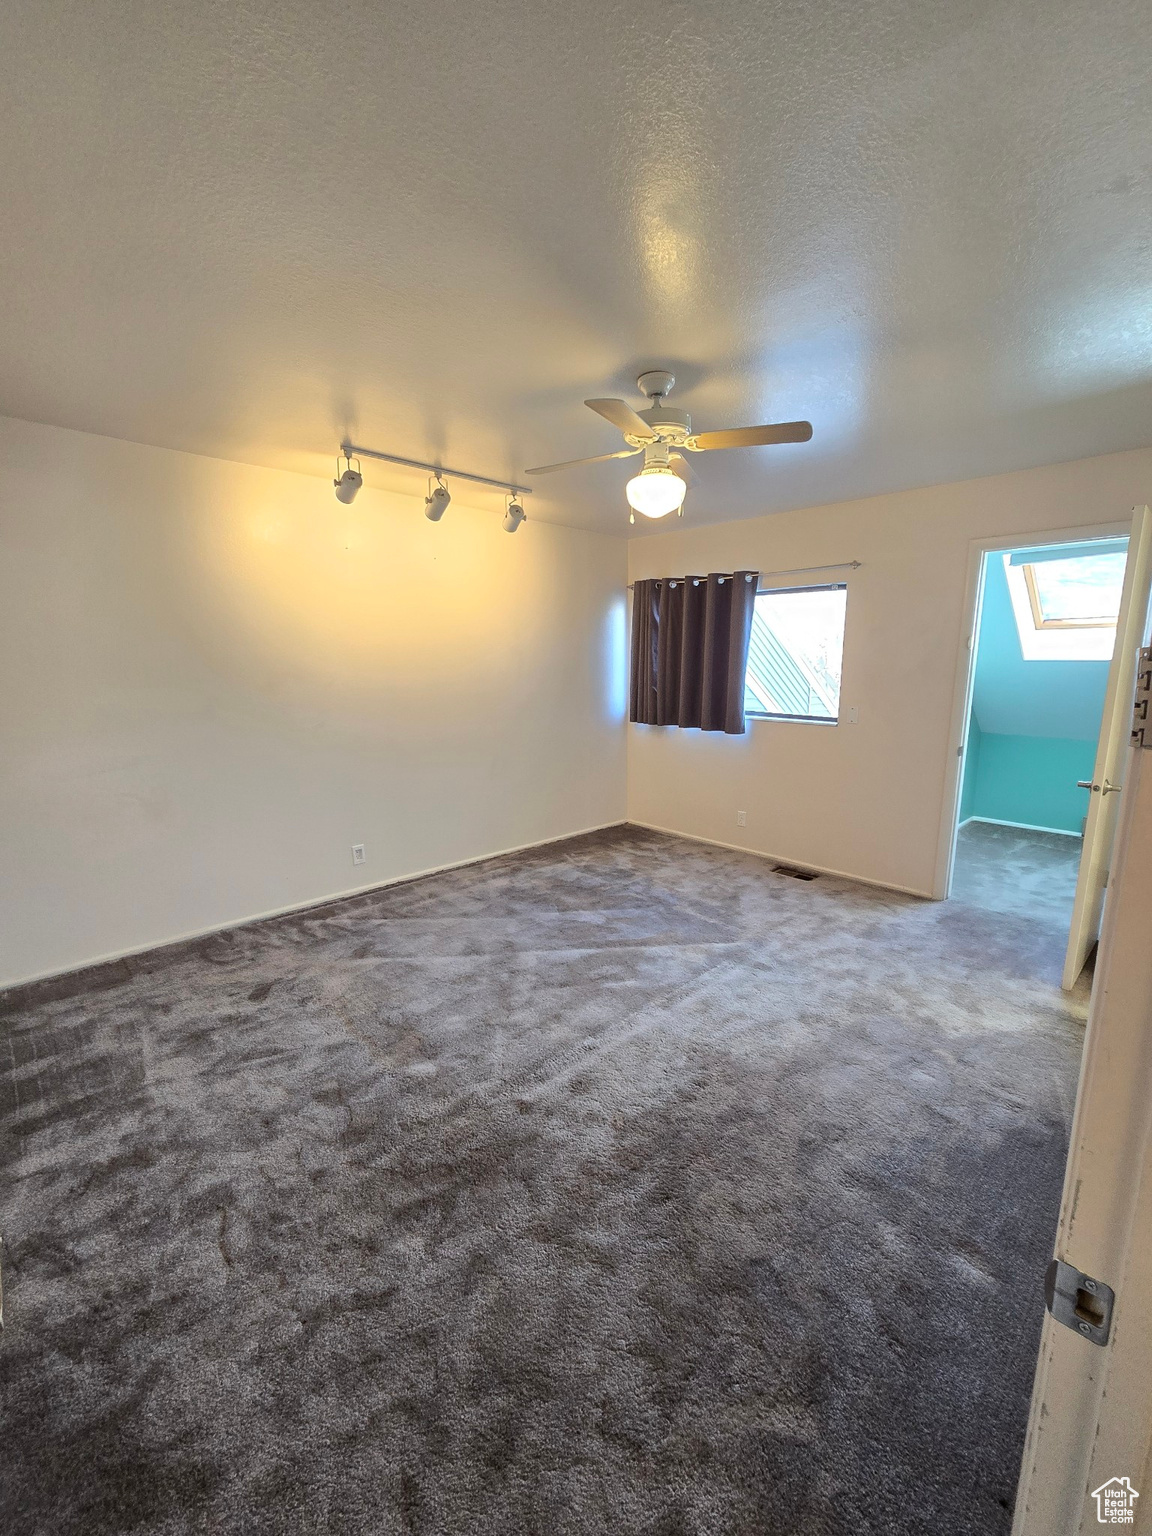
(655, 491)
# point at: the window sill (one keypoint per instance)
(793, 719)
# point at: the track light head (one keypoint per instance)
(514, 515)
(348, 483)
(436, 502)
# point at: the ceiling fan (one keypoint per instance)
(662, 434)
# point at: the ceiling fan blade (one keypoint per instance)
(751, 437)
(599, 458)
(622, 416)
(681, 467)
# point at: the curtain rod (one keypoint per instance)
(797, 570)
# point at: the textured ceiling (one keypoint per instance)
(245, 229)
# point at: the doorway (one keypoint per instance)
(1044, 641)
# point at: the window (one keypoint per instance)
(1082, 593)
(1066, 599)
(795, 654)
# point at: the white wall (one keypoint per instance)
(215, 679)
(865, 799)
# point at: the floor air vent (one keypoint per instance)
(792, 872)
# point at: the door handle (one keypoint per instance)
(1110, 788)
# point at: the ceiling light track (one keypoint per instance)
(351, 451)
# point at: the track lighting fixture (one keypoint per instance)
(348, 483)
(438, 498)
(514, 515)
(436, 501)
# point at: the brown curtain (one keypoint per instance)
(690, 650)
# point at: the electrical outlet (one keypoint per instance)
(357, 853)
(741, 818)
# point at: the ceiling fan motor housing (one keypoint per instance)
(669, 424)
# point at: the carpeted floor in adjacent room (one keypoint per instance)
(622, 1185)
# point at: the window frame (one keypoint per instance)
(818, 586)
(1041, 623)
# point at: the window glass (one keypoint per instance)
(1081, 591)
(795, 653)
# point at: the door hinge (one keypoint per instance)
(1078, 1301)
(1141, 718)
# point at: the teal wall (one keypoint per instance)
(1029, 779)
(1033, 727)
(971, 766)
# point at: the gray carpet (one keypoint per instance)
(1012, 869)
(617, 1186)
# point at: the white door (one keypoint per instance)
(1091, 1418)
(1115, 727)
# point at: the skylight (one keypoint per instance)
(1066, 600)
(1079, 593)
